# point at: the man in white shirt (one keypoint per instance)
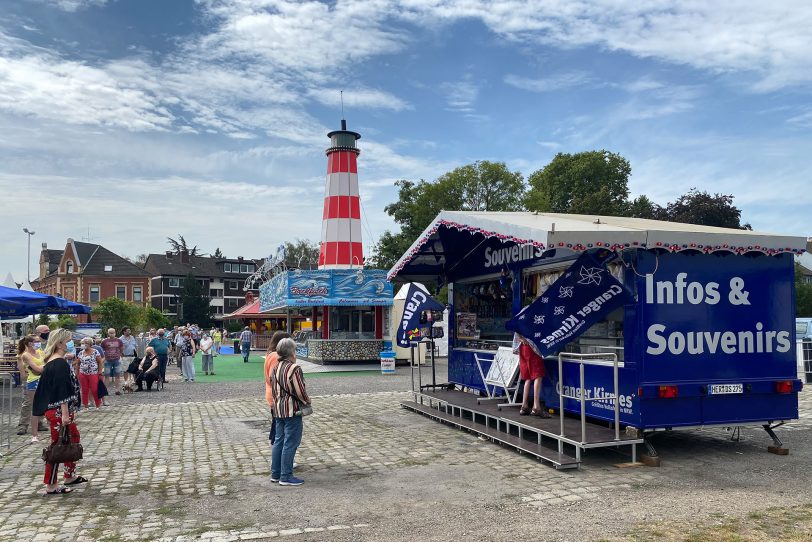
(245, 343)
(206, 344)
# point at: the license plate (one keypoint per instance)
(724, 389)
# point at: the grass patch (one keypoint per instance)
(793, 524)
(231, 368)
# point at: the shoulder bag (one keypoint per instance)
(63, 450)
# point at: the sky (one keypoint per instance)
(128, 121)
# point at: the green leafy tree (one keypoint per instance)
(195, 303)
(116, 313)
(43, 320)
(699, 207)
(180, 245)
(302, 253)
(63, 321)
(592, 182)
(803, 293)
(481, 186)
(642, 207)
(151, 317)
(218, 253)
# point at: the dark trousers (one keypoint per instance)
(163, 360)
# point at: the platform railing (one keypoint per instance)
(601, 359)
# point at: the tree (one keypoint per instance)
(194, 302)
(592, 182)
(481, 186)
(697, 207)
(43, 320)
(116, 313)
(63, 321)
(803, 293)
(151, 317)
(642, 207)
(141, 260)
(179, 246)
(217, 253)
(302, 253)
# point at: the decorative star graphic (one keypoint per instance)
(565, 291)
(558, 310)
(522, 316)
(590, 275)
(545, 299)
(538, 319)
(568, 275)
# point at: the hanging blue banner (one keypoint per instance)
(582, 296)
(417, 301)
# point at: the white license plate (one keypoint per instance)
(724, 389)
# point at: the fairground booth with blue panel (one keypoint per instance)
(704, 335)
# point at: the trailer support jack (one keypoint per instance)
(778, 447)
(650, 458)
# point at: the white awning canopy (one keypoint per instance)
(583, 232)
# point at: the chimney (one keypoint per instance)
(44, 246)
(184, 256)
(169, 254)
(240, 258)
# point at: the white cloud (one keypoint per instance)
(73, 5)
(360, 98)
(549, 84)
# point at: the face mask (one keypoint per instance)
(45, 335)
(71, 348)
(161, 335)
(37, 346)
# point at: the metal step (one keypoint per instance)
(559, 460)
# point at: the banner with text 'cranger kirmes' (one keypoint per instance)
(417, 301)
(583, 295)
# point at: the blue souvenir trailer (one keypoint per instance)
(707, 338)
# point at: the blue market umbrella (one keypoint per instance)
(16, 303)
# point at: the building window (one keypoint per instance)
(218, 309)
(69, 267)
(243, 268)
(94, 293)
(233, 303)
(233, 285)
(173, 301)
(137, 294)
(174, 283)
(121, 292)
(227, 268)
(215, 293)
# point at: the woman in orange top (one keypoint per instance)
(271, 359)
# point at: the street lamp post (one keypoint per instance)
(29, 233)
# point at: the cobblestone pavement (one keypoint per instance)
(199, 470)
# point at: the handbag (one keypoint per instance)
(102, 390)
(304, 410)
(63, 450)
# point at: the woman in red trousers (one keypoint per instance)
(91, 368)
(57, 398)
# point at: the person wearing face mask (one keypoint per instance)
(57, 398)
(29, 362)
(160, 345)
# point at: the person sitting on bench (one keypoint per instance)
(147, 370)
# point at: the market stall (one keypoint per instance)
(704, 338)
(347, 309)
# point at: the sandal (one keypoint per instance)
(77, 480)
(540, 413)
(524, 411)
(59, 491)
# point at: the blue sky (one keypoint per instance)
(140, 119)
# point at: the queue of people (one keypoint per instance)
(61, 380)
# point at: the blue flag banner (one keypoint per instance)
(582, 296)
(417, 301)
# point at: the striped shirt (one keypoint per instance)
(289, 394)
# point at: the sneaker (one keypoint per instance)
(34, 439)
(292, 482)
(274, 480)
(22, 430)
(295, 464)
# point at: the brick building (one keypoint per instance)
(87, 273)
(223, 279)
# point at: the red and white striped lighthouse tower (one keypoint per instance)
(341, 246)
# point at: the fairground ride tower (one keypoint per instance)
(341, 246)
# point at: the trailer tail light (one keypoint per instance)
(667, 392)
(640, 391)
(783, 386)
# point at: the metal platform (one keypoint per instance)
(539, 437)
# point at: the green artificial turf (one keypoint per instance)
(230, 368)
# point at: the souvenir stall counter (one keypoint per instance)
(704, 339)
